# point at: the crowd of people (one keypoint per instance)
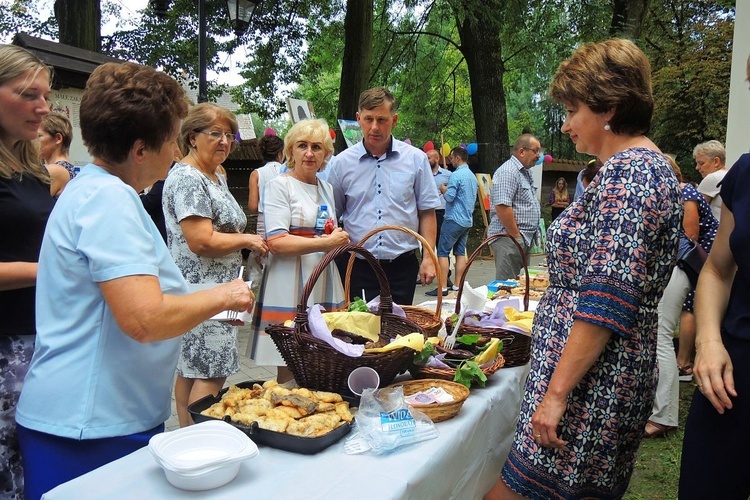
(108, 282)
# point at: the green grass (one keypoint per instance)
(657, 469)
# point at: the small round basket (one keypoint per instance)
(440, 411)
(430, 321)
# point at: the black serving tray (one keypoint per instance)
(279, 440)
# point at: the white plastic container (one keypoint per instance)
(203, 456)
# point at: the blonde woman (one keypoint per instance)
(291, 203)
(25, 205)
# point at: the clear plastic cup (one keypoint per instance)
(363, 378)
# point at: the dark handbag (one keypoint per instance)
(691, 261)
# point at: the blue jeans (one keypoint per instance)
(452, 237)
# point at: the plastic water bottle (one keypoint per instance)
(320, 221)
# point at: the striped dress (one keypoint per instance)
(291, 206)
(610, 255)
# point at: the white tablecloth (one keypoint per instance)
(463, 462)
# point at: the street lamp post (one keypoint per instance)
(240, 13)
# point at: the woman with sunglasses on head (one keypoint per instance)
(205, 235)
(55, 136)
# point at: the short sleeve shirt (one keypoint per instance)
(371, 192)
(513, 186)
(188, 193)
(103, 382)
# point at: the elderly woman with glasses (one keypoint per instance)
(205, 234)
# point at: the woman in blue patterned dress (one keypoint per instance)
(610, 253)
(709, 225)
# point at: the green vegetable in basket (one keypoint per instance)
(468, 372)
(469, 339)
(422, 356)
(358, 305)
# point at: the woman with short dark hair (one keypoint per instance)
(114, 302)
(610, 253)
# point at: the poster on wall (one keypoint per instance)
(299, 109)
(485, 184)
(245, 123)
(352, 132)
(67, 102)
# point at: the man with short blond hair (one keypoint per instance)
(383, 181)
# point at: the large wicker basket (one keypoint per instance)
(516, 346)
(430, 321)
(315, 364)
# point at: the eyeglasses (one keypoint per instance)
(536, 151)
(216, 135)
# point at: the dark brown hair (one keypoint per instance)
(126, 102)
(376, 97)
(610, 75)
(270, 147)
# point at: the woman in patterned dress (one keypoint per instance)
(205, 227)
(290, 207)
(610, 253)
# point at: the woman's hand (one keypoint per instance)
(714, 374)
(256, 243)
(546, 419)
(337, 238)
(239, 298)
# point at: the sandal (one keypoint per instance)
(656, 430)
(685, 373)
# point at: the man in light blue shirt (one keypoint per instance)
(440, 176)
(516, 208)
(383, 181)
(460, 197)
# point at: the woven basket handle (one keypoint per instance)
(476, 253)
(425, 246)
(386, 301)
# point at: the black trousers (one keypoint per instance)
(439, 216)
(399, 272)
(715, 456)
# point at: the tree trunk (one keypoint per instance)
(355, 66)
(480, 45)
(627, 18)
(80, 23)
